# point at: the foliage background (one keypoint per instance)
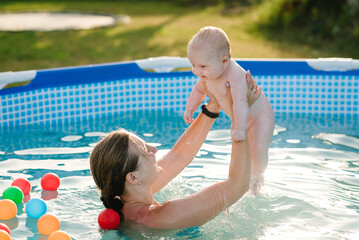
(256, 28)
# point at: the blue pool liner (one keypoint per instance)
(72, 94)
(117, 71)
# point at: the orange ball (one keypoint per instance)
(59, 235)
(8, 209)
(48, 224)
(4, 235)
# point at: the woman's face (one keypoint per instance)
(149, 171)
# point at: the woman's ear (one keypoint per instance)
(131, 178)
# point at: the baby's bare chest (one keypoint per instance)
(218, 89)
(222, 93)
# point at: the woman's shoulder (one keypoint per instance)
(140, 212)
(152, 215)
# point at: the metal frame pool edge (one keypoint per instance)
(332, 83)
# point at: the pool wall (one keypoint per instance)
(65, 95)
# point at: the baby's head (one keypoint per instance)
(211, 39)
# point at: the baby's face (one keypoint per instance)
(206, 63)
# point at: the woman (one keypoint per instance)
(127, 173)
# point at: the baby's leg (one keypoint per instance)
(260, 134)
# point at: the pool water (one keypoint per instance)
(311, 189)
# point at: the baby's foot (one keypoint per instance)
(256, 183)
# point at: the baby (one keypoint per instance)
(209, 52)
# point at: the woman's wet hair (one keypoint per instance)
(110, 161)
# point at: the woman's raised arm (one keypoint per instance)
(198, 208)
(186, 148)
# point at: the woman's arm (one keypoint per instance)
(186, 148)
(198, 208)
(204, 205)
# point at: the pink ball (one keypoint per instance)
(108, 219)
(50, 182)
(23, 184)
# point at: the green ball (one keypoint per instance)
(13, 193)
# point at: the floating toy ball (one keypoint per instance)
(35, 208)
(4, 235)
(8, 209)
(108, 219)
(50, 182)
(5, 228)
(23, 184)
(13, 193)
(48, 224)
(59, 235)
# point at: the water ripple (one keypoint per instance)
(311, 186)
(53, 151)
(340, 139)
(71, 138)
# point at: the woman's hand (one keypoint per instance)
(212, 104)
(253, 92)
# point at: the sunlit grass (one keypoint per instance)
(155, 30)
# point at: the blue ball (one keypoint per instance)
(35, 208)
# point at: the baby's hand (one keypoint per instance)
(187, 116)
(238, 135)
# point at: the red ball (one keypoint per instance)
(108, 219)
(50, 182)
(5, 228)
(23, 184)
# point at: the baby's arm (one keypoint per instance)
(197, 96)
(238, 88)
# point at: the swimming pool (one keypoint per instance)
(312, 187)
(67, 95)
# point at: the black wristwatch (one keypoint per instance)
(208, 113)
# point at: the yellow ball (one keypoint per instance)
(59, 235)
(48, 224)
(4, 235)
(8, 209)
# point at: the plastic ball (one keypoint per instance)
(108, 219)
(27, 198)
(8, 209)
(4, 235)
(59, 235)
(35, 208)
(13, 193)
(23, 184)
(50, 182)
(48, 224)
(5, 228)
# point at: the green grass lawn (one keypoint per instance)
(155, 30)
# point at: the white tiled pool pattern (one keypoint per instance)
(309, 94)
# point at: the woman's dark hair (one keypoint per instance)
(110, 161)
